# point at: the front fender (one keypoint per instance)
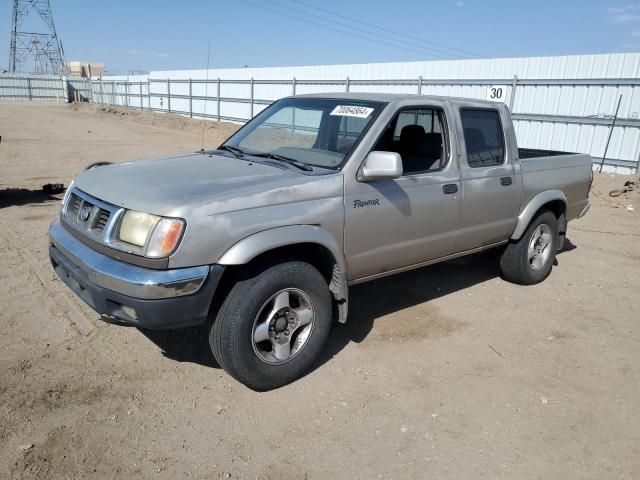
(534, 205)
(250, 247)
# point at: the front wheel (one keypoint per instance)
(529, 260)
(273, 325)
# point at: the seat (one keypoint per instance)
(410, 137)
(420, 151)
(430, 151)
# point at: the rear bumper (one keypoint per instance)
(128, 294)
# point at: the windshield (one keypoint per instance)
(311, 131)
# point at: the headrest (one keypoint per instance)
(410, 134)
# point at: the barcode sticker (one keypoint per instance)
(352, 111)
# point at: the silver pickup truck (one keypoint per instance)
(262, 237)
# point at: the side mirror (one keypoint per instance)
(382, 165)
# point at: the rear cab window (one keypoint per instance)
(483, 137)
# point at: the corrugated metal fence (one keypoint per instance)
(553, 114)
(21, 87)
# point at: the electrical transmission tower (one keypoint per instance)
(43, 49)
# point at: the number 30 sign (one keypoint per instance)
(496, 93)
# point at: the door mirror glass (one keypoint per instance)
(382, 165)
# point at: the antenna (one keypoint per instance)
(206, 91)
(44, 48)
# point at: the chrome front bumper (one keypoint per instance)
(124, 278)
(130, 294)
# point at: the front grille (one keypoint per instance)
(101, 219)
(90, 216)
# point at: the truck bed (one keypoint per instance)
(544, 170)
(526, 153)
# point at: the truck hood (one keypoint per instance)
(175, 186)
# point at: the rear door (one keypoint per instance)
(491, 187)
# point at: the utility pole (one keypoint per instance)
(40, 45)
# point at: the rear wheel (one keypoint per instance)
(273, 325)
(529, 260)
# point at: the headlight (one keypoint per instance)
(136, 226)
(157, 236)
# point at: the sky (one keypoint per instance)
(149, 35)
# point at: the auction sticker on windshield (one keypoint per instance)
(352, 111)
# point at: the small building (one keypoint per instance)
(86, 69)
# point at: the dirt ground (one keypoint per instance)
(446, 372)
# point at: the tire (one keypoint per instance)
(293, 298)
(97, 164)
(516, 262)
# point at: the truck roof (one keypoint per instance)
(386, 97)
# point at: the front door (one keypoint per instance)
(390, 224)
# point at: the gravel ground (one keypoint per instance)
(444, 372)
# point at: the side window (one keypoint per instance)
(483, 137)
(417, 135)
(428, 119)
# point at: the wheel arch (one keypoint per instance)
(310, 243)
(554, 200)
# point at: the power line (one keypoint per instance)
(305, 20)
(346, 32)
(386, 29)
(368, 31)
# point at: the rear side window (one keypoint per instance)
(483, 137)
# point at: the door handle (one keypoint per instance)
(450, 188)
(505, 181)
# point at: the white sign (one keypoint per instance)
(496, 93)
(352, 111)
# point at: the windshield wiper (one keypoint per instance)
(281, 158)
(238, 152)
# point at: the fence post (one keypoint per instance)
(113, 93)
(169, 95)
(190, 101)
(293, 113)
(65, 89)
(149, 93)
(141, 97)
(126, 93)
(346, 84)
(613, 125)
(29, 88)
(101, 91)
(420, 85)
(218, 99)
(251, 110)
(514, 84)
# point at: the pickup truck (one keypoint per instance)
(261, 238)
